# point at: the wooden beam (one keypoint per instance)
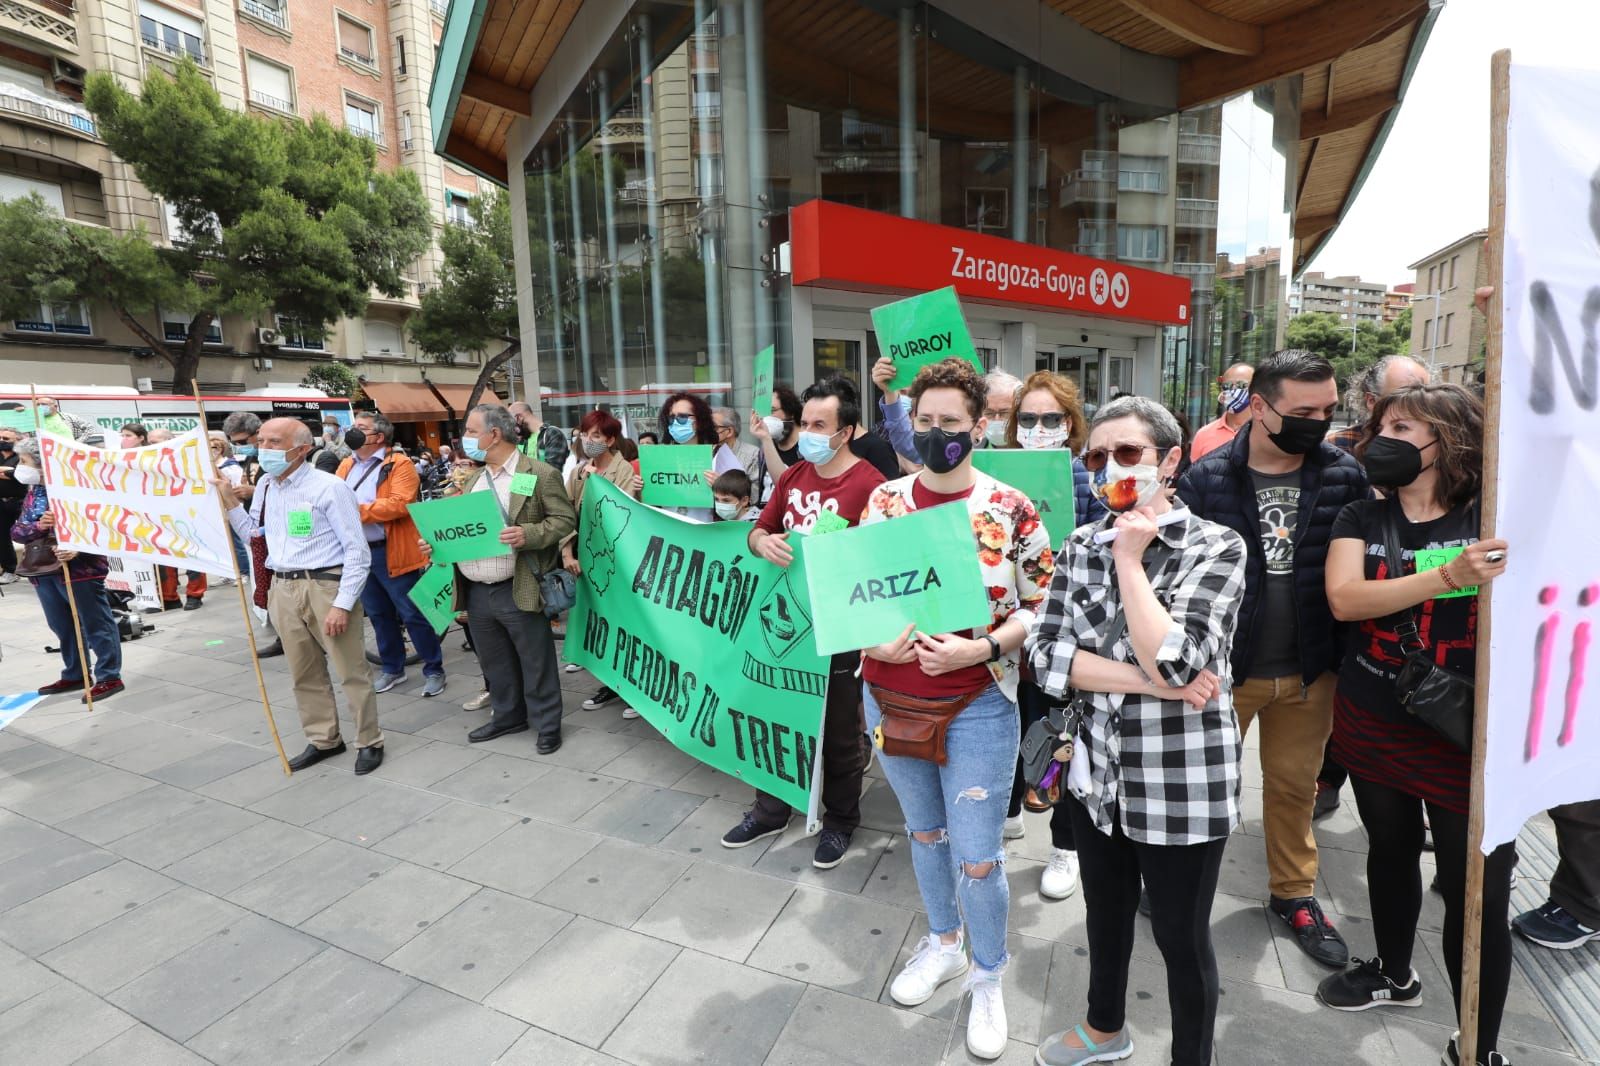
(1291, 45)
(1311, 225)
(1346, 115)
(471, 156)
(1194, 23)
(486, 90)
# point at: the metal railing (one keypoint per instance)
(1202, 213)
(271, 15)
(440, 7)
(408, 143)
(373, 135)
(268, 100)
(1100, 250)
(357, 57)
(57, 116)
(1202, 276)
(1089, 186)
(1200, 148)
(197, 54)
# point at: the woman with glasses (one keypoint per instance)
(1137, 627)
(687, 419)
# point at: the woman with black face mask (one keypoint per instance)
(1424, 448)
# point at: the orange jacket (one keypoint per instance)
(398, 485)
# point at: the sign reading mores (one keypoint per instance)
(461, 528)
(709, 643)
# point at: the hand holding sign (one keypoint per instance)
(673, 474)
(461, 528)
(761, 383)
(921, 330)
(434, 595)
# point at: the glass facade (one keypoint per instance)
(658, 203)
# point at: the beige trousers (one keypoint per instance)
(1294, 730)
(298, 609)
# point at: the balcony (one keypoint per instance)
(1202, 276)
(51, 23)
(355, 56)
(166, 46)
(272, 16)
(1089, 187)
(371, 134)
(1197, 214)
(1098, 250)
(36, 109)
(440, 8)
(1200, 149)
(271, 102)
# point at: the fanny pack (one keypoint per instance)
(916, 728)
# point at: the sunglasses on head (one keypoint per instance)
(1125, 454)
(1052, 420)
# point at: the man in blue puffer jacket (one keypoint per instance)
(1280, 485)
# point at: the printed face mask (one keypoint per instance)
(594, 449)
(1040, 437)
(1124, 488)
(1235, 397)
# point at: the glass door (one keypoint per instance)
(845, 352)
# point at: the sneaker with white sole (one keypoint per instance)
(931, 965)
(386, 681)
(1055, 1051)
(602, 697)
(1060, 877)
(1363, 986)
(572, 668)
(7, 578)
(1452, 1054)
(629, 712)
(1553, 926)
(986, 1019)
(1014, 829)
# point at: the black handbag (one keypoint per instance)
(1438, 697)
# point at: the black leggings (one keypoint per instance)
(1033, 704)
(1393, 820)
(1182, 881)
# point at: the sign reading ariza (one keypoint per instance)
(710, 644)
(923, 329)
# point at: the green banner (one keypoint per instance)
(673, 475)
(434, 595)
(923, 329)
(709, 643)
(1044, 475)
(761, 387)
(866, 583)
(461, 528)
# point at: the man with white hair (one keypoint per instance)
(1000, 399)
(1389, 374)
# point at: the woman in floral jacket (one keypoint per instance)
(954, 811)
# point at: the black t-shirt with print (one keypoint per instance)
(879, 452)
(1448, 626)
(1277, 649)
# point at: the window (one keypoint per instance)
(384, 339)
(458, 208)
(72, 318)
(171, 31)
(1454, 259)
(175, 327)
(30, 77)
(361, 119)
(177, 232)
(1449, 320)
(293, 334)
(1145, 243)
(270, 85)
(1099, 162)
(1427, 333)
(1430, 280)
(15, 187)
(355, 41)
(399, 54)
(1142, 173)
(269, 11)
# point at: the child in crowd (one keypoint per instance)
(731, 490)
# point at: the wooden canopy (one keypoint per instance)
(1356, 57)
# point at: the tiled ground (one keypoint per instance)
(167, 896)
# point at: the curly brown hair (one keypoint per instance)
(1456, 417)
(950, 373)
(1065, 392)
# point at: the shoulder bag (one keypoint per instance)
(1440, 698)
(260, 576)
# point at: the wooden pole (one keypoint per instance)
(244, 604)
(66, 574)
(1494, 254)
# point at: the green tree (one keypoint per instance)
(1402, 328)
(1350, 354)
(335, 379)
(286, 216)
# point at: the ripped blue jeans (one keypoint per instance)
(965, 800)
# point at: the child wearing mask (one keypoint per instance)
(731, 491)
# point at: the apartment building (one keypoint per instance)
(1447, 332)
(1352, 299)
(366, 64)
(1396, 300)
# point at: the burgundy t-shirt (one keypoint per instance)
(801, 493)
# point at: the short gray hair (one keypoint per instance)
(302, 433)
(1158, 421)
(244, 422)
(380, 424)
(28, 446)
(497, 417)
(998, 380)
(728, 415)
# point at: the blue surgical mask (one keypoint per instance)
(475, 453)
(815, 449)
(248, 451)
(274, 461)
(681, 429)
(905, 403)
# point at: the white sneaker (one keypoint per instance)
(1060, 878)
(629, 712)
(572, 668)
(986, 1020)
(7, 578)
(1014, 829)
(930, 966)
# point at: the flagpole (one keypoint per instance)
(238, 583)
(66, 570)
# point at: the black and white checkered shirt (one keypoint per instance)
(1169, 772)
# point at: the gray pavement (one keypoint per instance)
(167, 895)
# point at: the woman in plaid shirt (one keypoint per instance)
(1160, 792)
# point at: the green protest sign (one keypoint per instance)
(1044, 475)
(22, 419)
(920, 330)
(761, 386)
(461, 528)
(673, 475)
(434, 595)
(867, 583)
(710, 644)
(1433, 558)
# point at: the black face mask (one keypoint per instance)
(523, 431)
(355, 439)
(942, 452)
(1298, 436)
(1392, 462)
(6, 446)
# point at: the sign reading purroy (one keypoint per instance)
(851, 248)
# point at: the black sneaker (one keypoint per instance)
(1327, 801)
(1452, 1055)
(599, 699)
(1315, 934)
(831, 848)
(1363, 985)
(748, 831)
(1552, 926)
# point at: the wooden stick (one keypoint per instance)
(244, 604)
(66, 573)
(1494, 255)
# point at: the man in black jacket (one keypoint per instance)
(1280, 485)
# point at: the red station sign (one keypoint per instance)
(836, 246)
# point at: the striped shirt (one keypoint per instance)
(496, 568)
(311, 522)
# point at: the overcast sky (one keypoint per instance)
(1431, 182)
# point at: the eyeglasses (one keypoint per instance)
(683, 420)
(1125, 455)
(949, 423)
(1048, 421)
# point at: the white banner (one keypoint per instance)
(1544, 703)
(152, 504)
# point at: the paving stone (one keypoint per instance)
(48, 867)
(429, 764)
(830, 1029)
(705, 781)
(894, 880)
(100, 736)
(563, 796)
(307, 1015)
(539, 1048)
(790, 855)
(246, 855)
(108, 957)
(588, 749)
(207, 766)
(58, 1026)
(490, 779)
(157, 749)
(119, 818)
(321, 877)
(447, 834)
(253, 784)
(19, 835)
(311, 796)
(1418, 1041)
(140, 1045)
(52, 919)
(651, 762)
(429, 1027)
(707, 1010)
(615, 882)
(21, 978)
(1268, 1025)
(188, 992)
(418, 714)
(844, 943)
(24, 754)
(544, 993)
(383, 914)
(379, 813)
(526, 857)
(476, 946)
(73, 794)
(165, 843)
(641, 813)
(699, 836)
(717, 910)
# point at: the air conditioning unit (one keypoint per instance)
(268, 337)
(63, 71)
(263, 364)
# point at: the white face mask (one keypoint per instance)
(27, 475)
(774, 426)
(995, 433)
(1040, 437)
(1125, 488)
(727, 511)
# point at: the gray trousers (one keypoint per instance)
(518, 656)
(1576, 884)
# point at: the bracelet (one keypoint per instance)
(1449, 582)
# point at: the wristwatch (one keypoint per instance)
(994, 648)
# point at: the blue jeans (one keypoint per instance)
(389, 607)
(100, 635)
(965, 801)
